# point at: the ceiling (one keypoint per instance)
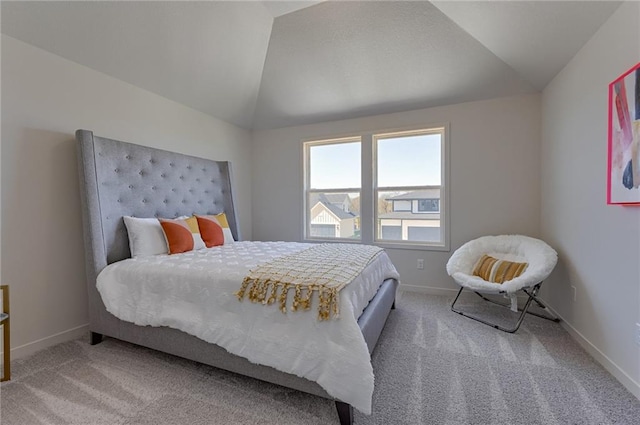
(279, 8)
(270, 64)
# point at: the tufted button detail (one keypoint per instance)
(152, 161)
(184, 201)
(188, 167)
(171, 164)
(153, 188)
(117, 170)
(128, 157)
(119, 200)
(141, 173)
(130, 186)
(144, 201)
(173, 190)
(181, 177)
(163, 175)
(166, 201)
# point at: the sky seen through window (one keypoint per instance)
(402, 161)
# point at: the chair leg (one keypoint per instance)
(542, 305)
(532, 296)
(548, 316)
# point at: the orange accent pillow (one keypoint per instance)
(210, 230)
(178, 235)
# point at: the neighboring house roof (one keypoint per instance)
(336, 198)
(342, 215)
(406, 215)
(335, 210)
(417, 194)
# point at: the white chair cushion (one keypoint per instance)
(540, 257)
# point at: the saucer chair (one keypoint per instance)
(503, 265)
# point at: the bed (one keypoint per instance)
(120, 179)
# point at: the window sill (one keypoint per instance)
(411, 246)
(386, 245)
(333, 240)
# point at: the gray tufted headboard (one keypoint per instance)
(119, 179)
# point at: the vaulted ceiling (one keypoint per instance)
(269, 64)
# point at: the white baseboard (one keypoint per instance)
(627, 381)
(448, 292)
(40, 344)
(427, 290)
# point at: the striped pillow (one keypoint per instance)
(498, 271)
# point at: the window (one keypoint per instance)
(386, 188)
(333, 176)
(408, 180)
(428, 205)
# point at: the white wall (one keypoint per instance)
(495, 176)
(598, 245)
(45, 98)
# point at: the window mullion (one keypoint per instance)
(367, 196)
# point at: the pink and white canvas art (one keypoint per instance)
(624, 139)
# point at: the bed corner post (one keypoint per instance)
(345, 413)
(95, 338)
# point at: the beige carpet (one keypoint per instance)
(432, 367)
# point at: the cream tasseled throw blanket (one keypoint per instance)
(323, 269)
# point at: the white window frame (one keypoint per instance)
(308, 191)
(369, 189)
(442, 130)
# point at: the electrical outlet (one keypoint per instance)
(638, 333)
(420, 264)
(575, 293)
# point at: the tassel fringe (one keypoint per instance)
(269, 291)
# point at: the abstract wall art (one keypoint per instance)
(624, 139)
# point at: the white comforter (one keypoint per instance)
(194, 292)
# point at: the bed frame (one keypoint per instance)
(118, 179)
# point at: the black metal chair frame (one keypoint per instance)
(532, 297)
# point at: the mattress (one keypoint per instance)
(194, 292)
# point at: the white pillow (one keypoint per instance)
(198, 243)
(228, 236)
(145, 236)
